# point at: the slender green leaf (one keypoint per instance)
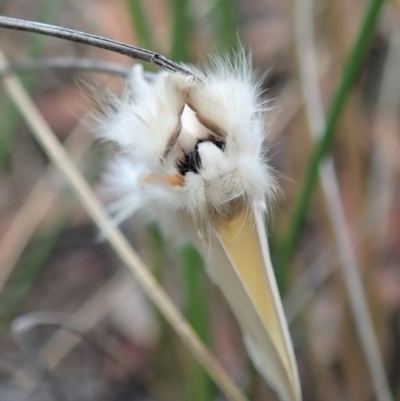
(168, 355)
(182, 30)
(228, 24)
(200, 387)
(140, 23)
(9, 115)
(351, 71)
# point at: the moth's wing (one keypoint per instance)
(241, 266)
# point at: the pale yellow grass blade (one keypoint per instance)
(241, 263)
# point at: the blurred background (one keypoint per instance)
(53, 268)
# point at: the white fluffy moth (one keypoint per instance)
(191, 156)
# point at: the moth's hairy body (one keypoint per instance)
(197, 141)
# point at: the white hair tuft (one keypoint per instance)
(200, 140)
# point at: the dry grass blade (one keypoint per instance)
(383, 183)
(42, 197)
(328, 179)
(116, 239)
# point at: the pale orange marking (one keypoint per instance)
(175, 180)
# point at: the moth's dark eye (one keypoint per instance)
(192, 161)
(195, 161)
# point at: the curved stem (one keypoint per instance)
(92, 40)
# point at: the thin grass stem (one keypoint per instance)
(8, 113)
(199, 386)
(227, 27)
(181, 30)
(140, 23)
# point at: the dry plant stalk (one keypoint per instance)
(56, 153)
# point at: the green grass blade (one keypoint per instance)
(199, 385)
(351, 70)
(140, 23)
(228, 25)
(181, 30)
(9, 115)
(8, 128)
